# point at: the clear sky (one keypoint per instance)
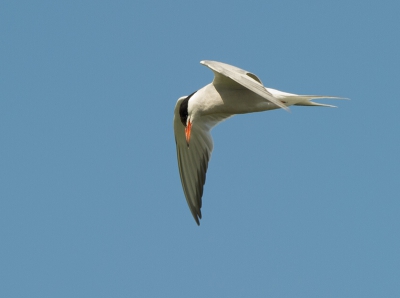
(299, 204)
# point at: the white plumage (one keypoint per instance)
(233, 91)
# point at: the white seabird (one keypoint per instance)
(233, 91)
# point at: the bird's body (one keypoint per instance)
(233, 91)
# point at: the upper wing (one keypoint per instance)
(223, 71)
(193, 162)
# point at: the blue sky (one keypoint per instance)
(299, 204)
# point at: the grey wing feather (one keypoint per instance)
(242, 77)
(193, 164)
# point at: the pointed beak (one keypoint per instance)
(188, 129)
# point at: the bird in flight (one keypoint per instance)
(233, 91)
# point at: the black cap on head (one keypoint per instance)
(183, 109)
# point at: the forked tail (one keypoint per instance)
(306, 100)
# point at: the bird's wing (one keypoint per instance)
(193, 162)
(223, 72)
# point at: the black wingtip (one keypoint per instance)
(197, 218)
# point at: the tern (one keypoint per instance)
(233, 91)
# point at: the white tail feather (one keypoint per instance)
(306, 100)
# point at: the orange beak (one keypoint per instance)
(188, 129)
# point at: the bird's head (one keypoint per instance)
(186, 117)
